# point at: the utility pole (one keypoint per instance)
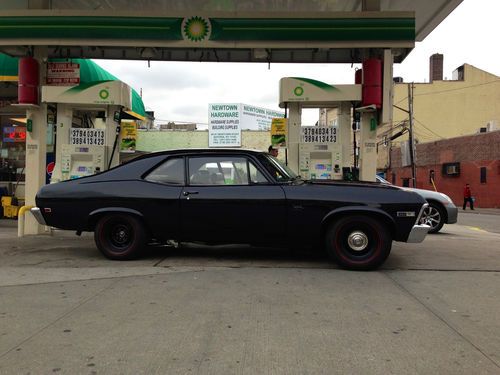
(411, 136)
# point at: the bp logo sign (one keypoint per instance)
(298, 91)
(196, 29)
(104, 94)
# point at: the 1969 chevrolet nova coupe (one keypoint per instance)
(231, 196)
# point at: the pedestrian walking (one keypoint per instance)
(468, 197)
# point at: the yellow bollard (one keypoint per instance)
(20, 220)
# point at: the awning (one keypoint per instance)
(137, 110)
(8, 68)
(90, 72)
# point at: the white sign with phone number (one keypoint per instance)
(86, 136)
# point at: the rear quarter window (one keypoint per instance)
(170, 172)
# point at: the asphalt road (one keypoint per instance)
(433, 308)
(484, 221)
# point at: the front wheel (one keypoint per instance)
(433, 216)
(120, 237)
(358, 242)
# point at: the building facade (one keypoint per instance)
(449, 164)
(467, 104)
(150, 141)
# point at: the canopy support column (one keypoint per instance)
(36, 149)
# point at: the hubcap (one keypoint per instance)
(431, 217)
(120, 235)
(358, 241)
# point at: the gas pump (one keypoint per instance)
(324, 152)
(319, 152)
(81, 160)
(81, 150)
(86, 127)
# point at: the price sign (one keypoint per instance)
(318, 134)
(86, 136)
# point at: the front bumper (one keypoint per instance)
(418, 233)
(452, 214)
(37, 213)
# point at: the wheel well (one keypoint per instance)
(440, 205)
(93, 219)
(384, 219)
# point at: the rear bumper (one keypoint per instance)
(418, 233)
(37, 213)
(452, 213)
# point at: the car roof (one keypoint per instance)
(202, 151)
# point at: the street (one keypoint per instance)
(432, 308)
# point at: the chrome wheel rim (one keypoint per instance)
(431, 217)
(357, 240)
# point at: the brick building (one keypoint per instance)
(473, 159)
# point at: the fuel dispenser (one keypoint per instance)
(325, 152)
(81, 160)
(86, 127)
(319, 152)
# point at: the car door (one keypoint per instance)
(159, 196)
(229, 200)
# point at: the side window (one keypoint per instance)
(256, 177)
(218, 170)
(275, 172)
(170, 172)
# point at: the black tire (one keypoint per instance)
(120, 237)
(433, 216)
(372, 238)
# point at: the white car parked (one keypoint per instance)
(441, 209)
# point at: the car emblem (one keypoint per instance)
(406, 213)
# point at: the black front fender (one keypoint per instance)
(359, 210)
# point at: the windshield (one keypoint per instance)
(278, 169)
(382, 180)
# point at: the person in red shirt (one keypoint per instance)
(468, 197)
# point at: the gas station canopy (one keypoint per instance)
(305, 31)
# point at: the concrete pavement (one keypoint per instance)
(431, 309)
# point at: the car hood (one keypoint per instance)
(424, 193)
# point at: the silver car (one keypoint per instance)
(440, 211)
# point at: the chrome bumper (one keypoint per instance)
(418, 233)
(38, 215)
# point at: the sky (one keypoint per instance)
(181, 92)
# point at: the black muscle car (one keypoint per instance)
(231, 196)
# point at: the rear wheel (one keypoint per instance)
(358, 242)
(433, 216)
(120, 237)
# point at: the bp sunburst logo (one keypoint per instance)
(196, 28)
(298, 91)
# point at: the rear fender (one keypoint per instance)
(96, 214)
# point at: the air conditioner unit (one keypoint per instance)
(451, 169)
(491, 125)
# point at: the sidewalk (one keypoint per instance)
(479, 210)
